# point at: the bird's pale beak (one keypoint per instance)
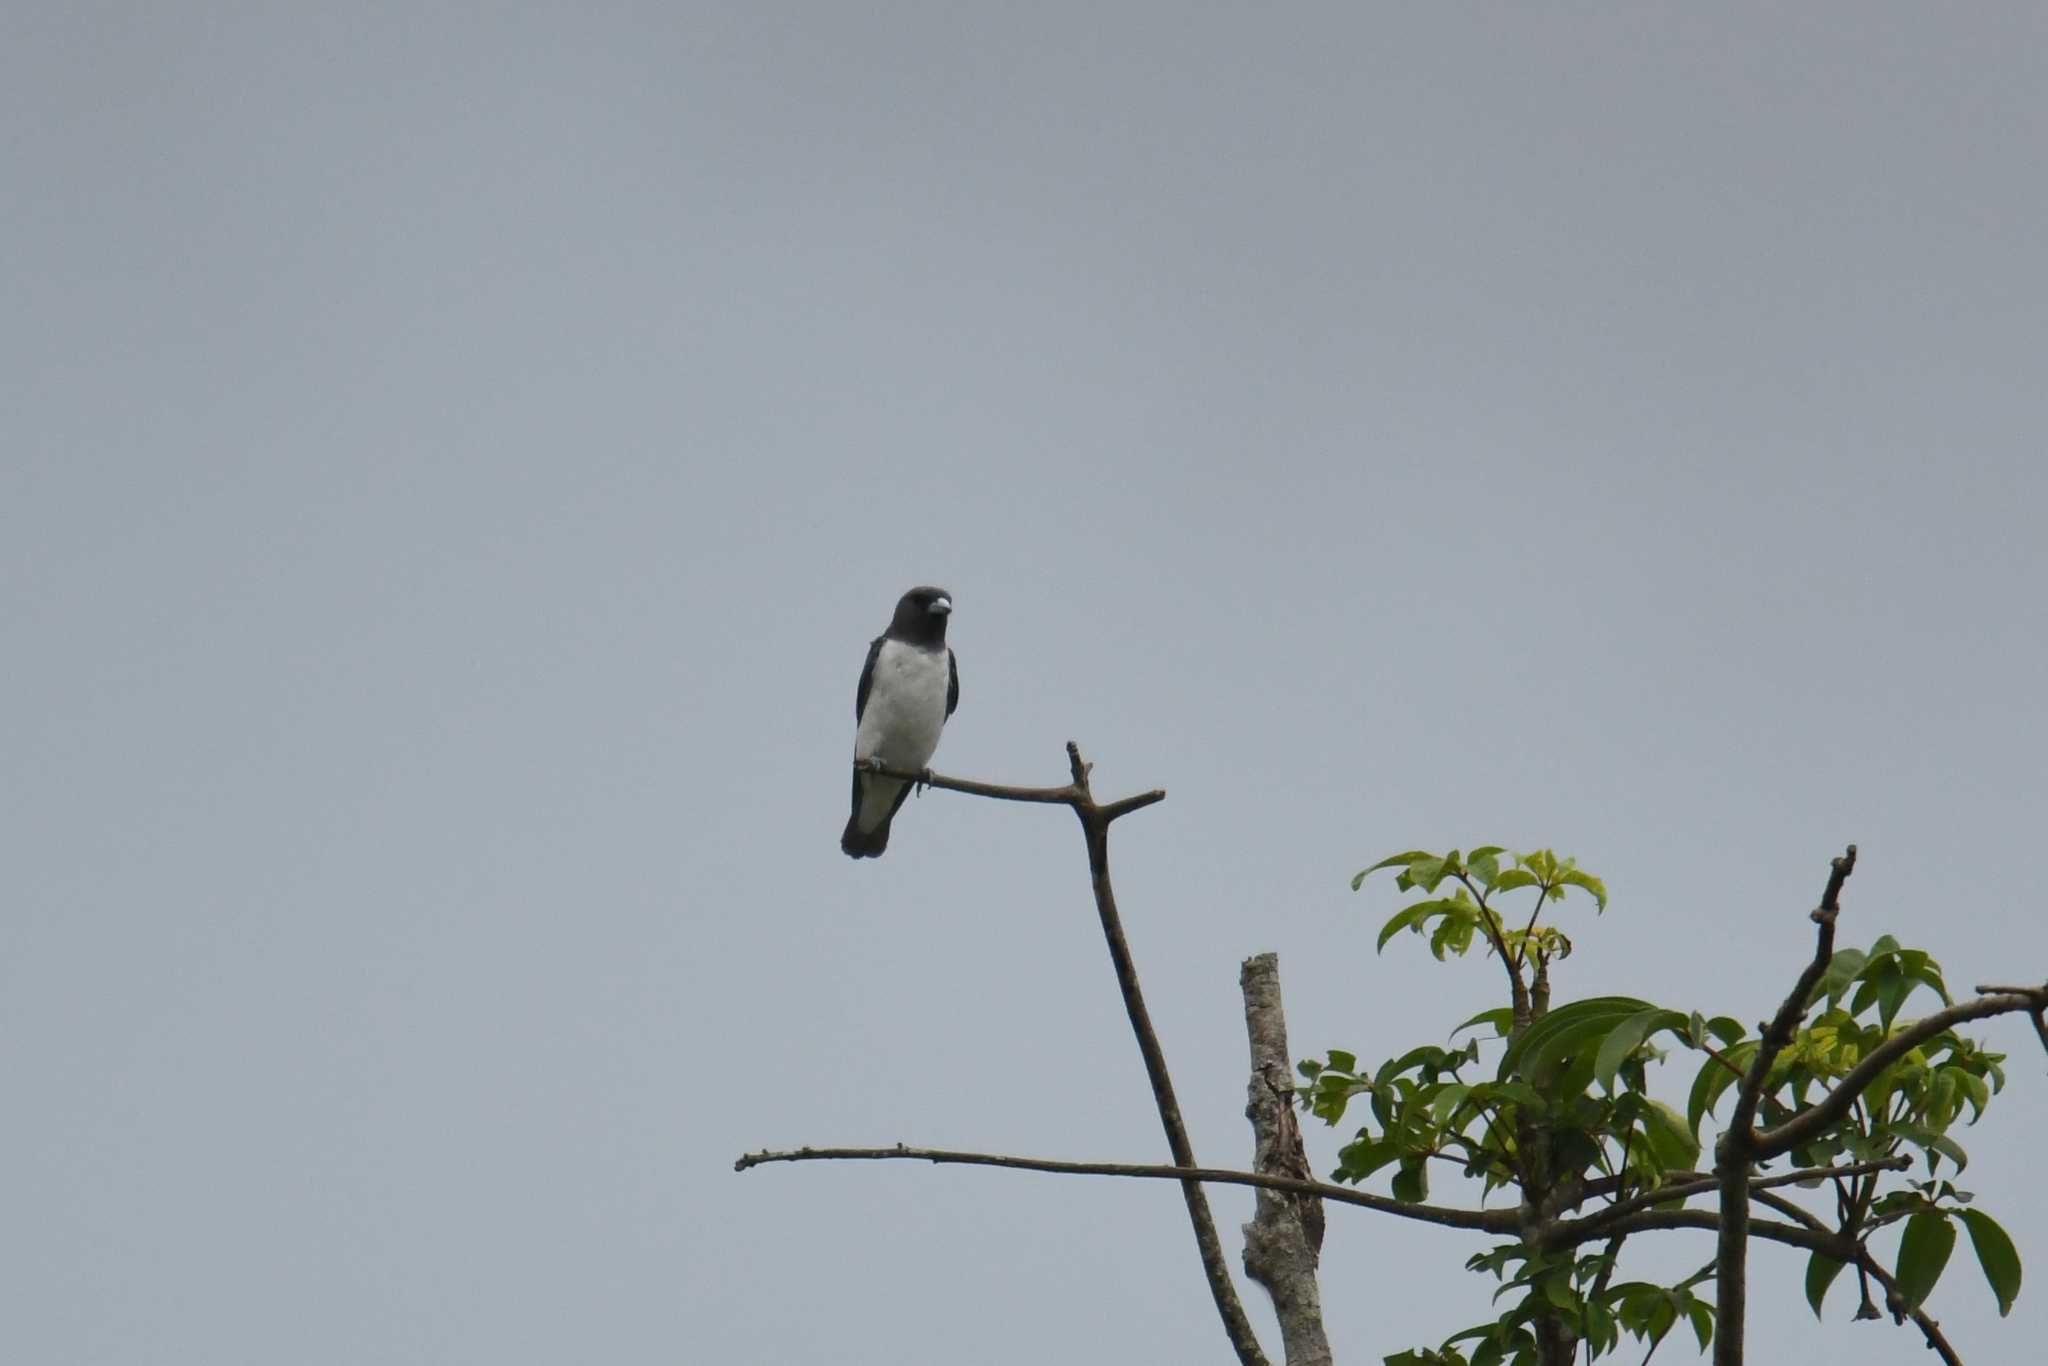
(940, 606)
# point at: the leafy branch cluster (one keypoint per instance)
(1565, 1119)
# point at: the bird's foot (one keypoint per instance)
(924, 781)
(870, 765)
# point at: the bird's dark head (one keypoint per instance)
(921, 616)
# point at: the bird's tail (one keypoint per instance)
(859, 843)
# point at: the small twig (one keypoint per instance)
(1900, 1311)
(1737, 1150)
(1522, 950)
(1518, 991)
(1483, 1221)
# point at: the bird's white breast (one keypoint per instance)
(906, 706)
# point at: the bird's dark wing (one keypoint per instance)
(867, 678)
(952, 682)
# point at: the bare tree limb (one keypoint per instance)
(1283, 1242)
(2040, 1012)
(1779, 1032)
(1483, 1221)
(1068, 794)
(1736, 1150)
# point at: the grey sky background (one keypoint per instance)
(455, 457)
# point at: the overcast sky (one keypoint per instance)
(452, 460)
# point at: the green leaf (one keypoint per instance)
(1933, 1143)
(1502, 1020)
(1568, 1029)
(1413, 916)
(1513, 878)
(1411, 1183)
(1726, 1028)
(1397, 860)
(1978, 1092)
(1671, 1142)
(1702, 1315)
(1841, 971)
(1484, 863)
(1357, 1161)
(1923, 1256)
(1820, 1274)
(1891, 994)
(1399, 921)
(1444, 1105)
(1996, 1254)
(1424, 873)
(1589, 883)
(1341, 1061)
(1627, 1036)
(1713, 1079)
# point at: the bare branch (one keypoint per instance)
(1074, 794)
(1735, 1151)
(1002, 792)
(1778, 1033)
(1283, 1242)
(1483, 1221)
(1828, 1111)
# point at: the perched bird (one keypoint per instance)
(908, 688)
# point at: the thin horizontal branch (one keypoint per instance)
(1707, 1184)
(1064, 795)
(1124, 806)
(1778, 1033)
(1792, 1235)
(1485, 1221)
(1073, 794)
(1829, 1110)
